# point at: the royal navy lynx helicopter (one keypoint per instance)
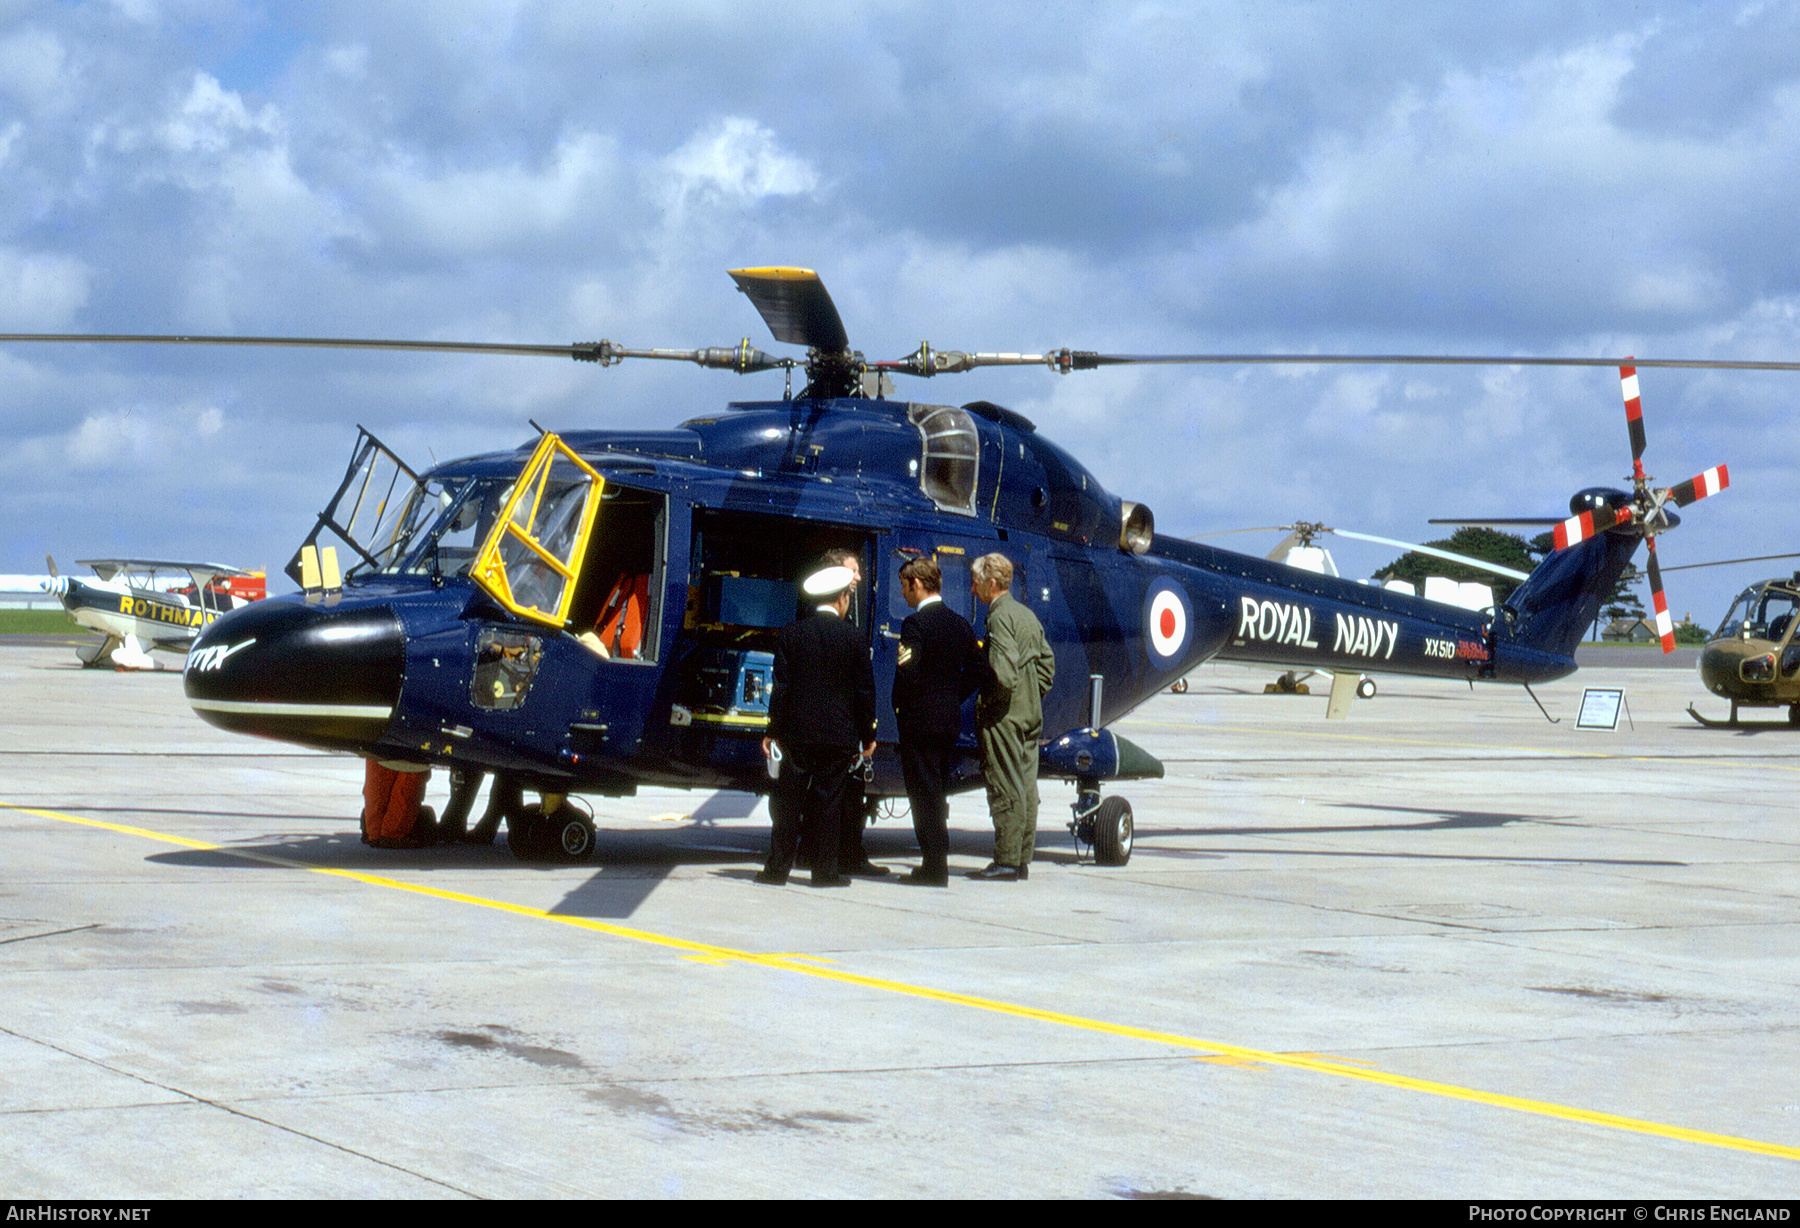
(594, 611)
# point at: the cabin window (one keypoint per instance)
(506, 661)
(951, 457)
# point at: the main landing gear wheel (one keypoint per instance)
(1113, 832)
(565, 834)
(1366, 689)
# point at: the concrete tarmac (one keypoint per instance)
(1445, 948)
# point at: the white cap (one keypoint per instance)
(827, 582)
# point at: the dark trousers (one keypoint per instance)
(853, 822)
(808, 796)
(925, 766)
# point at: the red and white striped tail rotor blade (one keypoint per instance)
(1665, 627)
(1709, 483)
(1589, 524)
(1634, 417)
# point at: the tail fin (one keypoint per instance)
(1553, 609)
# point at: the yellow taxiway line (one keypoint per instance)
(1208, 1050)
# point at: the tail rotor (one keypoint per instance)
(1647, 508)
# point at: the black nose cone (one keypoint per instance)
(324, 676)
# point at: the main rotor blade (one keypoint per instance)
(1083, 360)
(803, 314)
(795, 306)
(743, 358)
(589, 351)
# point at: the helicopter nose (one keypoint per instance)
(1730, 667)
(318, 675)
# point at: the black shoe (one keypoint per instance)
(919, 876)
(1024, 872)
(839, 881)
(867, 869)
(773, 880)
(997, 873)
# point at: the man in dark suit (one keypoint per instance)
(853, 855)
(940, 664)
(821, 715)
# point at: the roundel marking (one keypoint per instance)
(1168, 622)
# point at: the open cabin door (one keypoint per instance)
(531, 556)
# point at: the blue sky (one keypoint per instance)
(1512, 178)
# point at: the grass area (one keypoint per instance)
(38, 622)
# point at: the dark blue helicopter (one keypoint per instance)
(595, 611)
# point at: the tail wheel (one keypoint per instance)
(1113, 832)
(1179, 687)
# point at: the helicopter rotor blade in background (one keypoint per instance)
(1303, 533)
(1479, 564)
(1761, 558)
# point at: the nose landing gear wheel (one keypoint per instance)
(1113, 832)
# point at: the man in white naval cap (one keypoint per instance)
(821, 715)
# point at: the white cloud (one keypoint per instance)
(40, 293)
(34, 67)
(493, 206)
(140, 435)
(733, 163)
(212, 119)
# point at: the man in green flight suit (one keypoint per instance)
(1009, 717)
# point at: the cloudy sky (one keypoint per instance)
(1512, 179)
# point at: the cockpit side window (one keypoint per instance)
(950, 459)
(1760, 613)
